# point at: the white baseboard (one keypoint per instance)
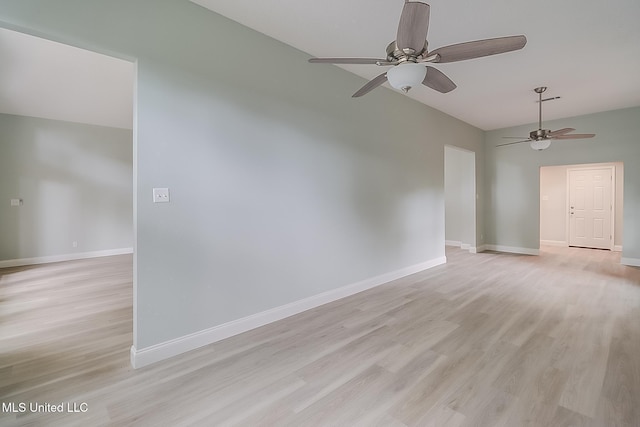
(633, 262)
(468, 247)
(65, 257)
(554, 243)
(617, 248)
(167, 349)
(463, 246)
(512, 249)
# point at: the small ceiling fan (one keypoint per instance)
(408, 54)
(541, 139)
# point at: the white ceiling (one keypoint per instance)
(41, 78)
(586, 51)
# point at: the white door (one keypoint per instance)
(590, 208)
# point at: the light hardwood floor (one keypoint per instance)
(485, 340)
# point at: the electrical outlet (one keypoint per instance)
(74, 244)
(16, 202)
(160, 195)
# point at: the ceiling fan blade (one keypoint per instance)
(437, 80)
(478, 48)
(413, 26)
(511, 143)
(370, 85)
(560, 132)
(373, 61)
(575, 136)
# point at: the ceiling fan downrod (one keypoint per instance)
(539, 91)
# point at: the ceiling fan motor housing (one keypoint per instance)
(539, 134)
(394, 54)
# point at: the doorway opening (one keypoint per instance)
(582, 205)
(68, 162)
(460, 198)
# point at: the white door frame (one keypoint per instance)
(613, 200)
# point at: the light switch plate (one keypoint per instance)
(160, 195)
(16, 202)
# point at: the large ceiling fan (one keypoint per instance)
(408, 54)
(541, 138)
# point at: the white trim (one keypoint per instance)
(158, 352)
(553, 243)
(617, 248)
(65, 257)
(633, 262)
(464, 150)
(481, 248)
(512, 249)
(463, 246)
(134, 185)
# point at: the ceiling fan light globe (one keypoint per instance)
(405, 76)
(541, 144)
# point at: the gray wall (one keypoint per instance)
(460, 196)
(512, 209)
(75, 181)
(282, 186)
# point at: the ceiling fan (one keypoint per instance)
(541, 138)
(408, 54)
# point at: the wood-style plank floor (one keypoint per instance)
(485, 340)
